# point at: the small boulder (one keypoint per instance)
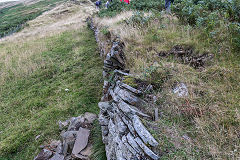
(44, 155)
(63, 125)
(81, 141)
(57, 157)
(181, 90)
(54, 144)
(89, 117)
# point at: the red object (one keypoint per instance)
(127, 1)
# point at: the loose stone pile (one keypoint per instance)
(74, 144)
(123, 133)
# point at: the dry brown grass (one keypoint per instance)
(20, 53)
(209, 115)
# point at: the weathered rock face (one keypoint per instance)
(74, 143)
(123, 133)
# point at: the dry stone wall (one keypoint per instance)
(123, 132)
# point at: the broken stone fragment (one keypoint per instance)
(120, 148)
(129, 124)
(104, 106)
(143, 132)
(59, 148)
(129, 97)
(121, 127)
(146, 150)
(45, 154)
(89, 117)
(57, 157)
(130, 148)
(68, 141)
(63, 125)
(75, 123)
(115, 96)
(103, 121)
(130, 110)
(121, 73)
(54, 144)
(133, 143)
(87, 151)
(181, 90)
(81, 141)
(131, 89)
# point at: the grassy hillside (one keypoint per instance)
(45, 77)
(32, 104)
(13, 18)
(165, 51)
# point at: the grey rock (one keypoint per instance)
(149, 88)
(105, 74)
(129, 97)
(129, 124)
(81, 141)
(87, 151)
(181, 90)
(69, 138)
(133, 143)
(103, 121)
(111, 127)
(146, 150)
(130, 148)
(121, 73)
(37, 137)
(75, 123)
(104, 130)
(115, 96)
(57, 157)
(89, 117)
(54, 144)
(45, 154)
(143, 132)
(59, 149)
(120, 125)
(129, 88)
(156, 114)
(104, 106)
(63, 125)
(120, 149)
(130, 110)
(41, 146)
(105, 139)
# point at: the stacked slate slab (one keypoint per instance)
(123, 133)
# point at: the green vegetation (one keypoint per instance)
(32, 104)
(13, 18)
(206, 123)
(99, 152)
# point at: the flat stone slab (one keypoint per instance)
(87, 151)
(44, 155)
(148, 151)
(81, 141)
(57, 157)
(143, 132)
(89, 117)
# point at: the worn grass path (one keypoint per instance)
(32, 105)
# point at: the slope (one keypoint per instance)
(49, 71)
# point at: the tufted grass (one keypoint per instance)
(206, 123)
(13, 17)
(32, 103)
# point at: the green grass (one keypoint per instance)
(12, 18)
(209, 115)
(33, 104)
(99, 152)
